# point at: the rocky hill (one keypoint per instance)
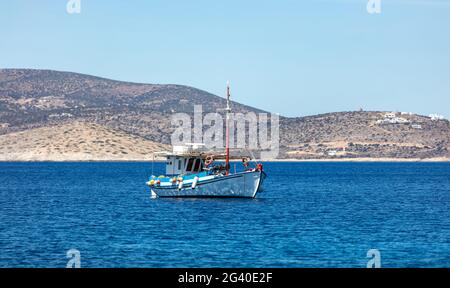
(36, 104)
(76, 141)
(37, 98)
(359, 134)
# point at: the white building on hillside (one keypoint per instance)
(389, 115)
(393, 120)
(331, 153)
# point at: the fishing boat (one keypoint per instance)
(194, 171)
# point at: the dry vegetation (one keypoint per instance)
(77, 141)
(356, 135)
(50, 115)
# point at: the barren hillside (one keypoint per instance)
(357, 134)
(76, 141)
(35, 104)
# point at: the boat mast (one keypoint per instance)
(227, 127)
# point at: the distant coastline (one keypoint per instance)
(362, 159)
(365, 159)
(108, 120)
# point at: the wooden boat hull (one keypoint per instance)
(239, 185)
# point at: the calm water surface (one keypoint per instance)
(310, 215)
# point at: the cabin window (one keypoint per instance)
(179, 164)
(197, 165)
(190, 164)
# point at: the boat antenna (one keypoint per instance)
(227, 127)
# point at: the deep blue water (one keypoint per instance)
(310, 215)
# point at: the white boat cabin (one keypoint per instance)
(176, 165)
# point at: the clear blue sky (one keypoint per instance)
(292, 57)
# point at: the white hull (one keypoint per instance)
(245, 185)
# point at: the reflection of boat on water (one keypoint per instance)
(192, 171)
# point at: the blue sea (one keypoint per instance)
(310, 215)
